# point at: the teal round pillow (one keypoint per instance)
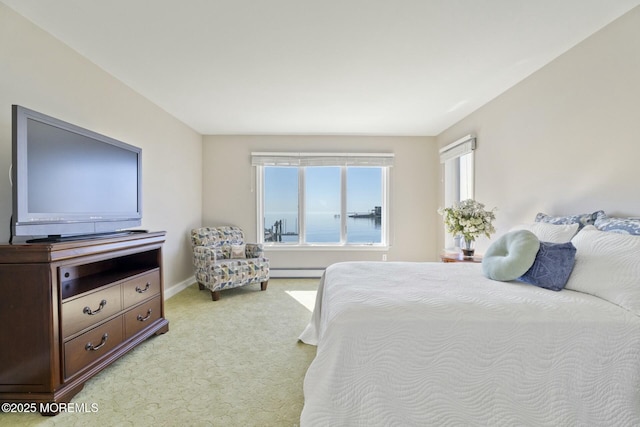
(511, 255)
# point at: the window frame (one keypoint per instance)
(343, 160)
(452, 171)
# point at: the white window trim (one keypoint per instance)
(383, 160)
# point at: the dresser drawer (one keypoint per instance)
(90, 309)
(141, 287)
(141, 316)
(87, 348)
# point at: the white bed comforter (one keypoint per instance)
(434, 344)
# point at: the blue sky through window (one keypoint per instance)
(280, 189)
(364, 189)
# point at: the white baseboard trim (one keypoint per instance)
(173, 290)
(283, 273)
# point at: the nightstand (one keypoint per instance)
(457, 257)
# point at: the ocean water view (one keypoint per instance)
(323, 227)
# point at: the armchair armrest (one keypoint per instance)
(254, 250)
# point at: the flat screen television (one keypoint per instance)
(69, 182)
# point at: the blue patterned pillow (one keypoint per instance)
(580, 219)
(552, 266)
(618, 225)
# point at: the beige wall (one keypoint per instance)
(562, 141)
(565, 140)
(39, 72)
(229, 192)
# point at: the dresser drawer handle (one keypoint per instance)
(144, 319)
(90, 347)
(146, 288)
(90, 312)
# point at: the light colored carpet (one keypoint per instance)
(233, 362)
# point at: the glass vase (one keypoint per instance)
(468, 247)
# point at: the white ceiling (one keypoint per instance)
(372, 67)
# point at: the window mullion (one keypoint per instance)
(384, 224)
(260, 203)
(302, 233)
(343, 205)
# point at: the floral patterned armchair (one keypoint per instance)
(223, 260)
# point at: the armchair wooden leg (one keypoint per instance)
(200, 286)
(215, 295)
(263, 285)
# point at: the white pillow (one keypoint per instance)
(607, 266)
(553, 233)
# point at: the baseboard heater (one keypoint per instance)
(296, 272)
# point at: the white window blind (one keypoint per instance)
(322, 159)
(458, 148)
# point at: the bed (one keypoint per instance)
(420, 344)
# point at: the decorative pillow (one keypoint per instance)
(580, 219)
(607, 266)
(547, 232)
(511, 255)
(552, 266)
(618, 225)
(238, 251)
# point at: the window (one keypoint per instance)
(281, 204)
(364, 205)
(458, 175)
(322, 199)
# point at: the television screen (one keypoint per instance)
(70, 181)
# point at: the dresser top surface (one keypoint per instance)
(49, 252)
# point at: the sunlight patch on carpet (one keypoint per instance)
(306, 298)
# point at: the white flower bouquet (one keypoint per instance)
(469, 219)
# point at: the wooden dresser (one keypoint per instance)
(68, 310)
